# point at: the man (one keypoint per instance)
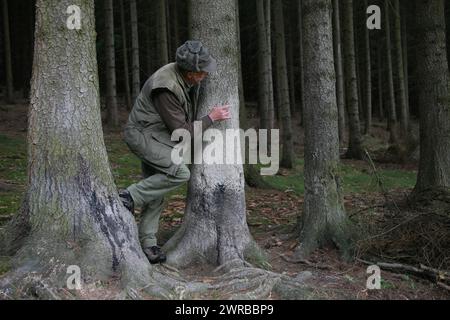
(168, 101)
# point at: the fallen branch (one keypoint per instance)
(305, 262)
(424, 272)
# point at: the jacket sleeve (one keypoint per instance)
(173, 114)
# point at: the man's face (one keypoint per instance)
(195, 78)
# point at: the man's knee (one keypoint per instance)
(183, 173)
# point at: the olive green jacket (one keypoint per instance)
(145, 133)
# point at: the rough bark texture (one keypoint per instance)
(380, 83)
(287, 156)
(163, 55)
(263, 81)
(71, 208)
(324, 219)
(404, 121)
(340, 82)
(301, 59)
(8, 61)
(433, 86)
(111, 92)
(135, 69)
(367, 80)
(126, 71)
(215, 228)
(392, 112)
(351, 83)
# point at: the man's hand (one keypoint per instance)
(219, 113)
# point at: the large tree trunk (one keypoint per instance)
(324, 220)
(135, 68)
(8, 61)
(162, 43)
(340, 83)
(392, 111)
(434, 106)
(404, 121)
(351, 84)
(126, 71)
(71, 209)
(215, 227)
(111, 92)
(287, 157)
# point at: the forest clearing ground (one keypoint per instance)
(271, 215)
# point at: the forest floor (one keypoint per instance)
(271, 213)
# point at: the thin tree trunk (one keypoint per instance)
(401, 69)
(291, 68)
(263, 80)
(111, 91)
(406, 66)
(287, 158)
(368, 80)
(380, 84)
(8, 60)
(324, 220)
(268, 63)
(71, 210)
(351, 83)
(340, 83)
(126, 71)
(215, 227)
(434, 105)
(135, 68)
(175, 27)
(163, 53)
(392, 111)
(301, 59)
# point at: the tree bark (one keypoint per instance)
(111, 91)
(351, 84)
(268, 63)
(368, 79)
(434, 106)
(301, 59)
(8, 60)
(126, 72)
(340, 83)
(215, 227)
(324, 220)
(401, 70)
(392, 111)
(71, 209)
(380, 84)
(135, 68)
(162, 43)
(287, 157)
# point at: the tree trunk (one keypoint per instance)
(434, 106)
(401, 70)
(287, 157)
(406, 66)
(380, 84)
(351, 84)
(263, 90)
(8, 60)
(71, 209)
(291, 68)
(215, 227)
(340, 89)
(390, 78)
(301, 59)
(126, 72)
(111, 92)
(175, 28)
(268, 63)
(324, 220)
(367, 80)
(135, 68)
(162, 43)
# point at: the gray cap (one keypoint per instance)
(193, 56)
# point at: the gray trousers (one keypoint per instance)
(149, 195)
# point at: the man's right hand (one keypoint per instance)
(220, 113)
